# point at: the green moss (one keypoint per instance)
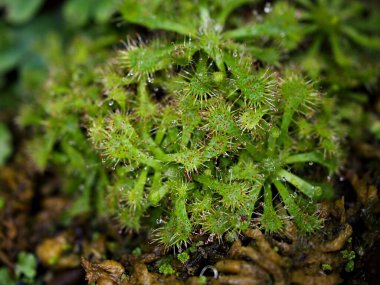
(183, 257)
(349, 257)
(202, 279)
(166, 269)
(326, 267)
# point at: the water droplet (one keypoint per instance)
(328, 178)
(110, 103)
(209, 267)
(218, 28)
(155, 89)
(229, 68)
(235, 54)
(268, 7)
(132, 169)
(130, 73)
(311, 163)
(103, 160)
(174, 122)
(150, 79)
(341, 178)
(159, 221)
(283, 179)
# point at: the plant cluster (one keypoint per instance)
(25, 270)
(203, 128)
(195, 134)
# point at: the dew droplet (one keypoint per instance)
(110, 103)
(341, 178)
(311, 163)
(211, 268)
(159, 221)
(268, 7)
(235, 54)
(130, 73)
(218, 28)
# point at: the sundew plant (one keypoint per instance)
(195, 129)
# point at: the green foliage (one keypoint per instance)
(326, 267)
(336, 22)
(25, 270)
(166, 269)
(79, 12)
(59, 111)
(202, 279)
(25, 27)
(5, 278)
(26, 267)
(341, 41)
(2, 202)
(349, 257)
(185, 126)
(19, 11)
(137, 251)
(183, 257)
(5, 143)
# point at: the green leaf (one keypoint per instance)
(77, 12)
(9, 58)
(20, 11)
(5, 278)
(26, 266)
(104, 10)
(150, 14)
(5, 143)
